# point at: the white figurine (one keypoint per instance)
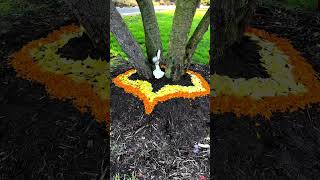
(157, 72)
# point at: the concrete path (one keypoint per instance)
(127, 11)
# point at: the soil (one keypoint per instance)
(287, 146)
(71, 49)
(239, 59)
(40, 137)
(160, 145)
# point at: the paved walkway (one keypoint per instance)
(127, 11)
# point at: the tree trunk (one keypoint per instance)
(230, 18)
(182, 21)
(94, 17)
(196, 37)
(129, 45)
(151, 28)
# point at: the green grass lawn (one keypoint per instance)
(165, 24)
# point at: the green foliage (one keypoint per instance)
(124, 3)
(205, 2)
(8, 7)
(164, 2)
(305, 4)
(169, 2)
(5, 7)
(299, 4)
(165, 24)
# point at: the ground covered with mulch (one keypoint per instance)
(241, 61)
(71, 49)
(40, 137)
(288, 145)
(159, 145)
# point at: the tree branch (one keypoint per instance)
(196, 37)
(94, 17)
(129, 45)
(230, 19)
(182, 21)
(151, 28)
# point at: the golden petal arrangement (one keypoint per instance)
(144, 91)
(84, 82)
(293, 83)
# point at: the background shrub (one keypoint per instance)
(299, 4)
(164, 2)
(205, 2)
(125, 3)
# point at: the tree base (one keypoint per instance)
(71, 49)
(157, 84)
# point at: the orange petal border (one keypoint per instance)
(149, 106)
(82, 95)
(303, 73)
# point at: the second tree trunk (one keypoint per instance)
(182, 21)
(230, 18)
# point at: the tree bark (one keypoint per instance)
(230, 18)
(94, 17)
(129, 45)
(182, 21)
(196, 37)
(151, 29)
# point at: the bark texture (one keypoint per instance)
(182, 21)
(94, 17)
(151, 28)
(230, 18)
(196, 37)
(129, 45)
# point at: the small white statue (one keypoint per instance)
(157, 72)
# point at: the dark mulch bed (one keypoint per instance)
(71, 49)
(40, 137)
(241, 61)
(159, 146)
(287, 146)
